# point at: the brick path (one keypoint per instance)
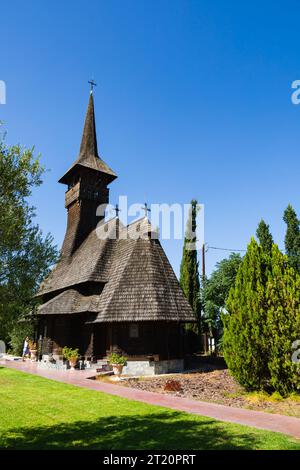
(258, 419)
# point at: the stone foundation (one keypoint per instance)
(50, 363)
(137, 368)
(134, 368)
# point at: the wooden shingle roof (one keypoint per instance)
(139, 282)
(69, 301)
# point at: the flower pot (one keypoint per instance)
(73, 363)
(117, 369)
(33, 354)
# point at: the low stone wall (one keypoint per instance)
(137, 368)
(167, 367)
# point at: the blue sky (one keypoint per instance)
(193, 101)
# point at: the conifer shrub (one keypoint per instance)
(262, 322)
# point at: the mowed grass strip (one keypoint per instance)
(37, 413)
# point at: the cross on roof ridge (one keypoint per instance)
(146, 209)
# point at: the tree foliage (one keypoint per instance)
(292, 237)
(216, 289)
(189, 268)
(263, 321)
(25, 255)
(264, 236)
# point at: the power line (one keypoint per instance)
(242, 251)
(224, 249)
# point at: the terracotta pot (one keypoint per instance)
(117, 369)
(73, 363)
(33, 354)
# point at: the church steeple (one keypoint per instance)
(87, 179)
(88, 147)
(88, 155)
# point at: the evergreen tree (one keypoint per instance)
(263, 321)
(264, 236)
(283, 323)
(189, 268)
(292, 237)
(244, 346)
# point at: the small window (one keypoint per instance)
(134, 330)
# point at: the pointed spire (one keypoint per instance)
(88, 145)
(88, 155)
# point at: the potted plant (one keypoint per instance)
(71, 355)
(117, 362)
(33, 350)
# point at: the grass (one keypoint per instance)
(37, 413)
(274, 403)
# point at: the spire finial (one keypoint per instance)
(117, 210)
(92, 83)
(146, 209)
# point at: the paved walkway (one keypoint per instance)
(258, 419)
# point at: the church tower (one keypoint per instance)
(87, 180)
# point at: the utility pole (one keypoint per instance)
(204, 335)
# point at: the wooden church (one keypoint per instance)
(109, 293)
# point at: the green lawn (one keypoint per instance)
(36, 413)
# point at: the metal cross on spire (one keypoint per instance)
(146, 209)
(92, 83)
(117, 210)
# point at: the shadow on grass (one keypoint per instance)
(154, 431)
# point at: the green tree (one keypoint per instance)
(215, 291)
(25, 255)
(262, 322)
(283, 323)
(244, 346)
(264, 236)
(189, 268)
(292, 237)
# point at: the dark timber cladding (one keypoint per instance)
(109, 293)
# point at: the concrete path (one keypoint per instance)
(258, 419)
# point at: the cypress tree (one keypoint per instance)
(264, 236)
(292, 237)
(189, 268)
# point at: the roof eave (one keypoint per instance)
(111, 176)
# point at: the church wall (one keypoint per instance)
(149, 338)
(160, 339)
